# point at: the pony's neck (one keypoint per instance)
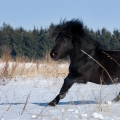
(74, 55)
(85, 43)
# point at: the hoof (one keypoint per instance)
(53, 103)
(117, 98)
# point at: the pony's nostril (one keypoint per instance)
(54, 54)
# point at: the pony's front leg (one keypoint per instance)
(66, 86)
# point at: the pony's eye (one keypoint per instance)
(64, 41)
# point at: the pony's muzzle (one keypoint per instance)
(54, 55)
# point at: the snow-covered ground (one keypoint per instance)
(26, 99)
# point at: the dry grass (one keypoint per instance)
(25, 68)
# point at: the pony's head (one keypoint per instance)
(65, 34)
(63, 46)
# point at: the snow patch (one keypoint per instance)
(76, 111)
(75, 116)
(34, 116)
(2, 119)
(84, 115)
(97, 115)
(109, 102)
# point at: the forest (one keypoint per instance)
(37, 43)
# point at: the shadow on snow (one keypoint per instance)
(60, 103)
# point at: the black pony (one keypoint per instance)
(88, 61)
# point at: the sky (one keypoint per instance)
(95, 14)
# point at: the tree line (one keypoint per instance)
(37, 43)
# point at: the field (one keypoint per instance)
(27, 87)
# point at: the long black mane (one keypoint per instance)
(74, 26)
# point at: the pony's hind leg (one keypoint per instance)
(117, 98)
